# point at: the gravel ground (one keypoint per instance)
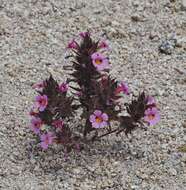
(33, 35)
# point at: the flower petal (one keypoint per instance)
(105, 117)
(34, 129)
(44, 145)
(95, 125)
(154, 110)
(97, 112)
(150, 100)
(103, 124)
(92, 118)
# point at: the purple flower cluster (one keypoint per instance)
(99, 60)
(95, 93)
(49, 92)
(41, 103)
(37, 125)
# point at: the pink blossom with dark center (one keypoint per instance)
(72, 45)
(84, 34)
(41, 102)
(58, 123)
(63, 87)
(39, 86)
(46, 140)
(122, 87)
(152, 116)
(100, 61)
(98, 119)
(103, 45)
(36, 124)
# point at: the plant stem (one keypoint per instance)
(108, 133)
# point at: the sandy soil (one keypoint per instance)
(33, 36)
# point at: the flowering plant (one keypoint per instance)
(94, 93)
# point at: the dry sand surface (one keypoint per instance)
(33, 36)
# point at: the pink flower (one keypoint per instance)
(122, 87)
(84, 34)
(36, 124)
(103, 45)
(152, 116)
(100, 61)
(39, 86)
(63, 87)
(46, 140)
(41, 102)
(151, 100)
(98, 119)
(58, 123)
(72, 45)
